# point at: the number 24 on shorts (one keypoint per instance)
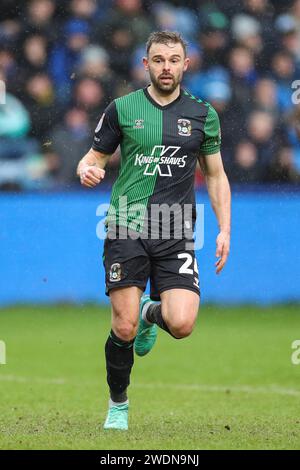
(186, 267)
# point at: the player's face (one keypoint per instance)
(166, 64)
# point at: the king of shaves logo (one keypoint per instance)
(160, 160)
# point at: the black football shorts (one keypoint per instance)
(170, 264)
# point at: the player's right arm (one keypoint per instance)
(106, 140)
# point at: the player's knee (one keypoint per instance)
(126, 330)
(181, 329)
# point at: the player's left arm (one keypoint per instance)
(220, 197)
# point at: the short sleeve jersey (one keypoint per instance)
(159, 149)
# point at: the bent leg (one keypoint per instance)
(177, 312)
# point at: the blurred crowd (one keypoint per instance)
(62, 62)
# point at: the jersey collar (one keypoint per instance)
(157, 105)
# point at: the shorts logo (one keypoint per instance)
(138, 124)
(115, 272)
(184, 127)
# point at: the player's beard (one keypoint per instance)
(165, 88)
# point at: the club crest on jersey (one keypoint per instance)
(115, 272)
(139, 124)
(184, 127)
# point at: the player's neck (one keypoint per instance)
(161, 99)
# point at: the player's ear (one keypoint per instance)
(186, 64)
(146, 63)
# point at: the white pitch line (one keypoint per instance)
(270, 389)
(19, 379)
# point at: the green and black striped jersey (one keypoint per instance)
(159, 148)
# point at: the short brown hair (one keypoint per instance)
(165, 37)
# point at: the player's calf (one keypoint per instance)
(119, 361)
(153, 315)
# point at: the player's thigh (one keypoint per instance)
(126, 264)
(125, 302)
(180, 308)
(174, 266)
(127, 268)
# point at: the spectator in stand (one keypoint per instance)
(283, 167)
(38, 17)
(176, 18)
(138, 76)
(34, 55)
(295, 13)
(265, 97)
(10, 31)
(39, 98)
(243, 76)
(14, 121)
(245, 166)
(293, 132)
(9, 69)
(94, 64)
(83, 9)
(194, 78)
(126, 28)
(265, 135)
(218, 92)
(130, 14)
(68, 142)
(284, 73)
(263, 12)
(89, 95)
(214, 36)
(247, 32)
(286, 27)
(93, 11)
(65, 57)
(16, 148)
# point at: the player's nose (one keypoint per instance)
(167, 66)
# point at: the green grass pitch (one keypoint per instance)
(230, 385)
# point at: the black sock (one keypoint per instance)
(154, 316)
(119, 361)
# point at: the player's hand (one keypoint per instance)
(222, 251)
(90, 176)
